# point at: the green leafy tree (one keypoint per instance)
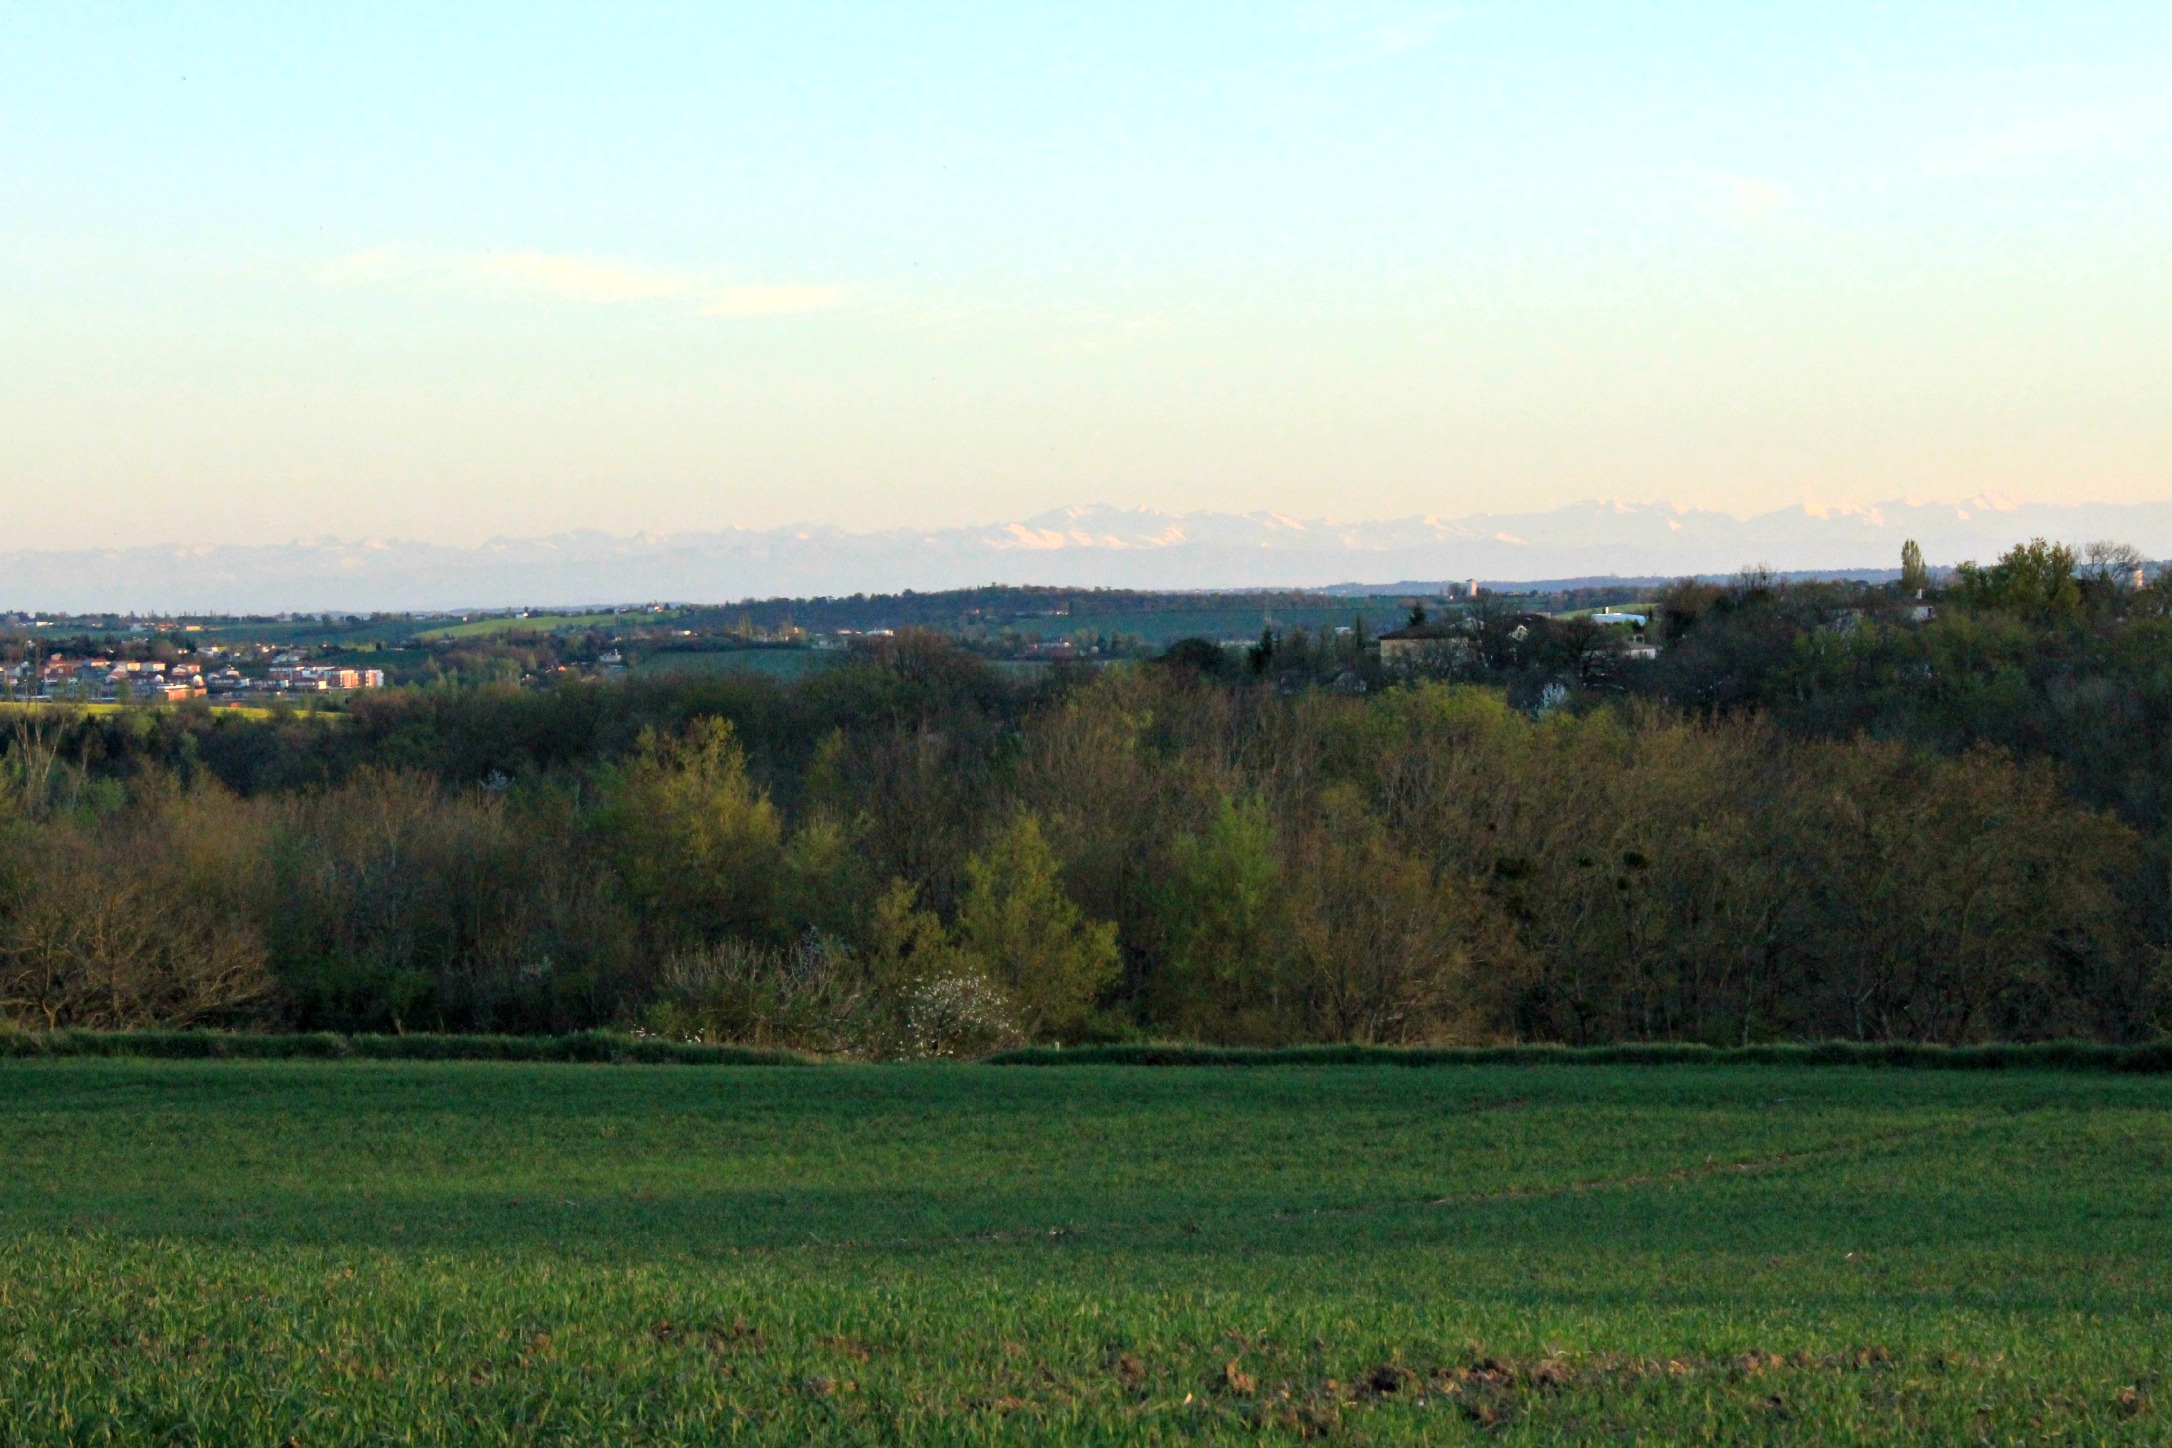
(1220, 917)
(907, 945)
(697, 848)
(1914, 576)
(2035, 578)
(1027, 935)
(825, 885)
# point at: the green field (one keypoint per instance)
(376, 1252)
(781, 663)
(497, 624)
(1163, 627)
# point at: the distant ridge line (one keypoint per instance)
(1607, 543)
(1604, 580)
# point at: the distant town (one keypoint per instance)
(99, 678)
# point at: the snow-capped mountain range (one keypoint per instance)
(1077, 547)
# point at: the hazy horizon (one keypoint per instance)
(274, 274)
(1077, 547)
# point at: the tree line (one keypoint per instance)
(1787, 827)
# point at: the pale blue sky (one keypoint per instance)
(448, 272)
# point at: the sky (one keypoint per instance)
(451, 272)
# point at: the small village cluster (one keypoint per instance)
(96, 678)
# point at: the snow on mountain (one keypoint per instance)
(1085, 546)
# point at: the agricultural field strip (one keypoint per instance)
(57, 1129)
(1708, 1168)
(1860, 1147)
(445, 1172)
(535, 623)
(579, 1181)
(1729, 1314)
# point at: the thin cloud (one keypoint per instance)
(769, 301)
(581, 281)
(576, 279)
(1748, 201)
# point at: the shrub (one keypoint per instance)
(811, 996)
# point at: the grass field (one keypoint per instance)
(466, 1252)
(1163, 627)
(782, 663)
(497, 624)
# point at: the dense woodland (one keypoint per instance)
(1817, 813)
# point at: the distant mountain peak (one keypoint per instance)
(1086, 545)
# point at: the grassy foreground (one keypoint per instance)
(488, 1252)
